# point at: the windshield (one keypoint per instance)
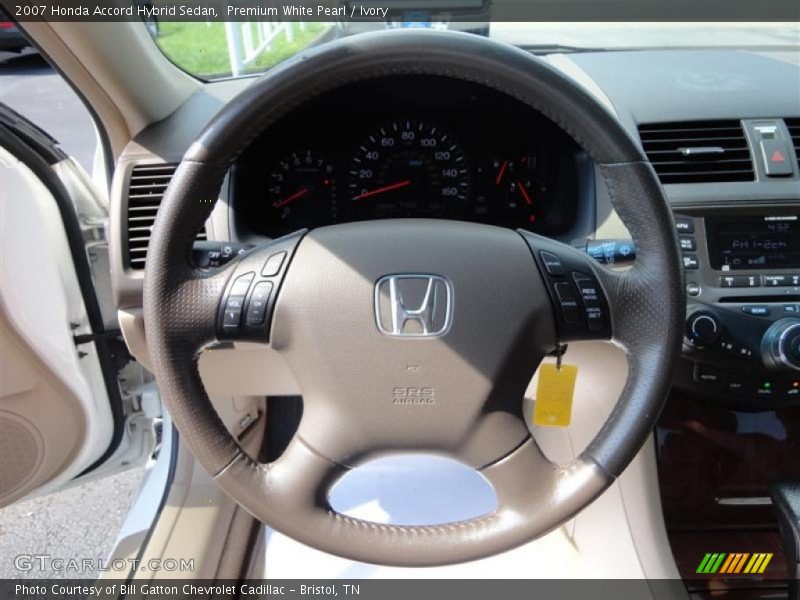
(215, 50)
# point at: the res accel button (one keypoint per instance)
(591, 301)
(273, 265)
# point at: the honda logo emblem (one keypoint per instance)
(413, 305)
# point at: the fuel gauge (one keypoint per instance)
(512, 191)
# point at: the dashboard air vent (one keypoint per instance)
(794, 131)
(145, 191)
(698, 151)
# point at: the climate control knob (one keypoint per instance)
(780, 346)
(702, 328)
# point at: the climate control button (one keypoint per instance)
(780, 346)
(702, 328)
(709, 376)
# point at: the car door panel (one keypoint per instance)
(52, 401)
(64, 410)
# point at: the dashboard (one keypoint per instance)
(436, 147)
(739, 376)
(410, 147)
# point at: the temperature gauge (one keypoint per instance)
(512, 191)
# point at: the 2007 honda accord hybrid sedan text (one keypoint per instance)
(409, 293)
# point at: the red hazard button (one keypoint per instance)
(776, 157)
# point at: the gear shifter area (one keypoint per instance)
(786, 499)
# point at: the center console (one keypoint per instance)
(742, 335)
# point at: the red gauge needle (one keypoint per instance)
(524, 193)
(296, 196)
(501, 172)
(386, 188)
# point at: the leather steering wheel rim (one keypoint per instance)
(646, 306)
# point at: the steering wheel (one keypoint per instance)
(414, 335)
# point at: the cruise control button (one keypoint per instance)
(587, 287)
(568, 303)
(594, 318)
(684, 225)
(552, 263)
(758, 310)
(273, 264)
(738, 281)
(590, 295)
(688, 243)
(709, 376)
(690, 261)
(259, 300)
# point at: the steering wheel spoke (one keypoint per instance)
(534, 495)
(247, 300)
(527, 478)
(579, 289)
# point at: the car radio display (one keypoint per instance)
(771, 242)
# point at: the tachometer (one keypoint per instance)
(408, 168)
(301, 191)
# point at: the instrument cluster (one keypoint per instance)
(409, 147)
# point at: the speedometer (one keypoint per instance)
(408, 168)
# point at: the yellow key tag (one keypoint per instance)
(554, 394)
